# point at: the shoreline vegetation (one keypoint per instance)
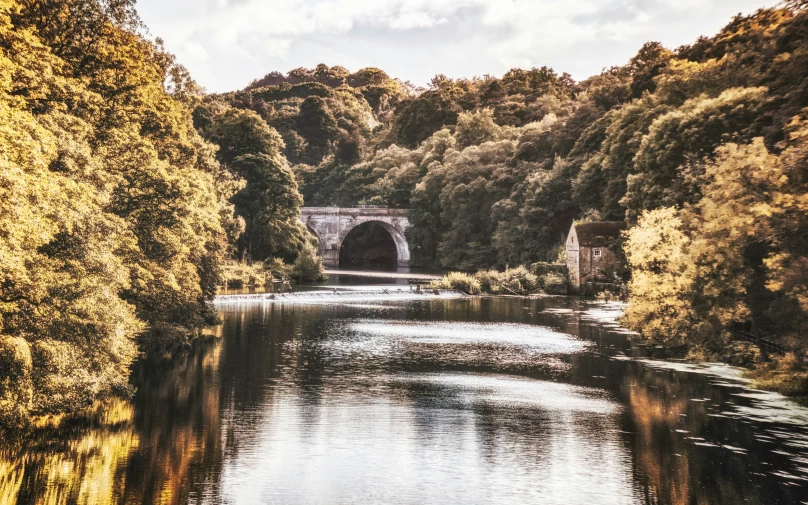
(783, 372)
(306, 268)
(518, 281)
(118, 211)
(126, 189)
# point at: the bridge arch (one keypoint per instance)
(331, 225)
(399, 239)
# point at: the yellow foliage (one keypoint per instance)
(661, 286)
(694, 270)
(111, 221)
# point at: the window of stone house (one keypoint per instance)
(597, 253)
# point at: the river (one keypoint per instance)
(368, 393)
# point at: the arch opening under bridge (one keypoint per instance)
(332, 225)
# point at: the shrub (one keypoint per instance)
(490, 281)
(308, 266)
(554, 284)
(276, 268)
(514, 281)
(238, 276)
(459, 281)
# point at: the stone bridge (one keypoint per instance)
(332, 224)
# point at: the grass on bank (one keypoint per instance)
(518, 281)
(308, 267)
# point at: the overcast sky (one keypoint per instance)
(228, 43)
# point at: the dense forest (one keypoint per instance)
(124, 187)
(116, 213)
(700, 149)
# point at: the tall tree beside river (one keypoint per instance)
(269, 203)
(739, 253)
(114, 211)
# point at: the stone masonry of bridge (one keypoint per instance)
(332, 224)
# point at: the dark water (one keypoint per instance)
(367, 396)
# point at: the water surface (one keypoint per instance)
(375, 394)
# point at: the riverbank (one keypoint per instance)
(513, 281)
(779, 373)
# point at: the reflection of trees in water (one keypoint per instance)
(77, 463)
(655, 413)
(273, 345)
(178, 422)
(197, 411)
(670, 467)
(117, 456)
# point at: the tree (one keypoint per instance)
(113, 220)
(270, 201)
(660, 290)
(678, 140)
(317, 125)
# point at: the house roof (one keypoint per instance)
(608, 230)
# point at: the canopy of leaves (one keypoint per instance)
(114, 209)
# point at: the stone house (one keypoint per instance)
(591, 251)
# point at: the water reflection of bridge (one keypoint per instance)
(332, 224)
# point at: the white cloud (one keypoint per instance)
(227, 43)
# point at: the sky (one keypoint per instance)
(226, 44)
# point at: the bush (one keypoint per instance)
(515, 281)
(308, 266)
(554, 284)
(459, 281)
(276, 268)
(490, 280)
(238, 275)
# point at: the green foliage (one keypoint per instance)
(239, 275)
(278, 269)
(322, 114)
(512, 281)
(116, 213)
(664, 174)
(308, 266)
(269, 202)
(459, 281)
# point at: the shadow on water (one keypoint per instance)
(477, 400)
